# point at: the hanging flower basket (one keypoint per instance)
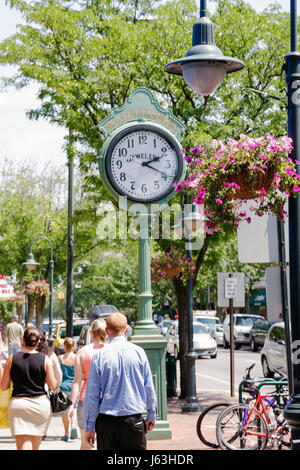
(38, 289)
(171, 264)
(18, 298)
(250, 184)
(224, 175)
(172, 271)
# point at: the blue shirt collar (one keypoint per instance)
(117, 338)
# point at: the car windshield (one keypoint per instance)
(198, 328)
(76, 331)
(244, 321)
(208, 321)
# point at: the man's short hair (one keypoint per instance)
(116, 322)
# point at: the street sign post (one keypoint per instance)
(231, 293)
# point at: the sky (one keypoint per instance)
(40, 143)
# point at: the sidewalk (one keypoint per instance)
(182, 425)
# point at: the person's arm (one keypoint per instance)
(6, 379)
(5, 335)
(92, 399)
(50, 377)
(1, 372)
(56, 369)
(77, 382)
(150, 396)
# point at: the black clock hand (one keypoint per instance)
(155, 159)
(155, 169)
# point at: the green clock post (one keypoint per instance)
(139, 162)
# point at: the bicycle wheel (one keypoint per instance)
(241, 427)
(206, 424)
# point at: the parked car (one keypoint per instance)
(172, 338)
(204, 343)
(60, 335)
(242, 324)
(163, 326)
(210, 322)
(258, 333)
(219, 333)
(273, 354)
(207, 320)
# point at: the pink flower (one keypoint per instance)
(290, 172)
(296, 189)
(219, 201)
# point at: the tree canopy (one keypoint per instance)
(87, 56)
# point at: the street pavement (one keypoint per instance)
(182, 425)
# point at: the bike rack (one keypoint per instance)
(265, 381)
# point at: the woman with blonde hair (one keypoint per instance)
(67, 361)
(82, 366)
(29, 411)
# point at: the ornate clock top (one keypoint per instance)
(141, 106)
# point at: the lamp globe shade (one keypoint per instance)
(31, 264)
(204, 77)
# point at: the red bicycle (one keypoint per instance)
(250, 426)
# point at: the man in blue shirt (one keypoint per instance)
(119, 390)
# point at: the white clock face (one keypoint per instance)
(143, 164)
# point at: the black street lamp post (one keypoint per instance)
(191, 403)
(185, 228)
(203, 68)
(31, 264)
(70, 249)
(292, 66)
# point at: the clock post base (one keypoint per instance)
(154, 347)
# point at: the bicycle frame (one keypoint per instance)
(260, 407)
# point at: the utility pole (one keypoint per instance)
(70, 240)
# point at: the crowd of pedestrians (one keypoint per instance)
(108, 381)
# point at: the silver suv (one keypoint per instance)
(273, 354)
(241, 329)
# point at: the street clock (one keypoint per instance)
(141, 158)
(143, 162)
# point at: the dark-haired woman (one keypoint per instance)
(29, 410)
(43, 347)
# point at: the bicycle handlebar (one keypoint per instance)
(248, 369)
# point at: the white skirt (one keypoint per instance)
(29, 416)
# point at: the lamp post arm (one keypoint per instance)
(43, 238)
